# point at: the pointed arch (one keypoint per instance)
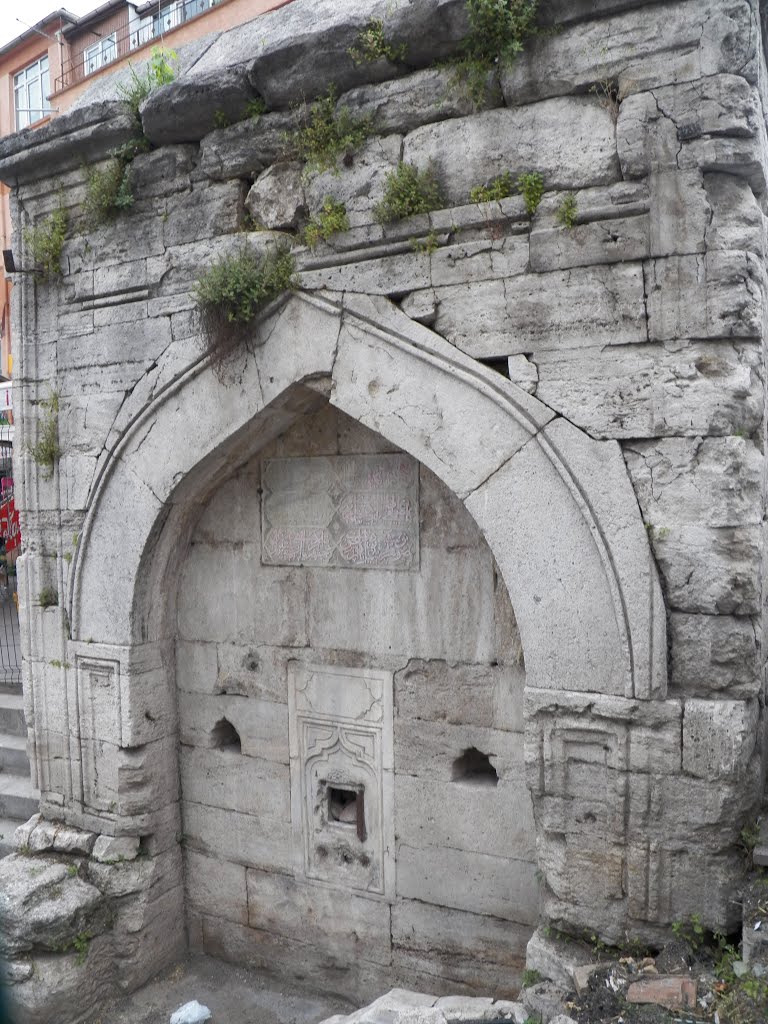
(556, 507)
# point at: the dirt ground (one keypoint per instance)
(234, 995)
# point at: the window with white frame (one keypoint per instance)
(30, 92)
(99, 54)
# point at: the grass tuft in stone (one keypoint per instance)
(371, 46)
(567, 211)
(325, 134)
(331, 219)
(44, 243)
(232, 293)
(45, 452)
(407, 192)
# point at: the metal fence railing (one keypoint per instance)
(129, 37)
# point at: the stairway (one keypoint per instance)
(18, 799)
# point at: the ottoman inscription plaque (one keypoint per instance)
(354, 511)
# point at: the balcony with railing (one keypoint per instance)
(117, 37)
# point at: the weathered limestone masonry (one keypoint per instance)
(284, 674)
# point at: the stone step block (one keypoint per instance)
(7, 828)
(12, 714)
(18, 797)
(13, 754)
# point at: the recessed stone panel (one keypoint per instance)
(353, 511)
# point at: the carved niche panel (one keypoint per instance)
(341, 746)
(98, 716)
(355, 511)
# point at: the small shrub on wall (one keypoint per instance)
(45, 241)
(407, 192)
(498, 30)
(232, 293)
(325, 134)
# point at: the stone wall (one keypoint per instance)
(594, 395)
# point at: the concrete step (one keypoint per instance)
(13, 754)
(6, 686)
(12, 714)
(7, 827)
(18, 798)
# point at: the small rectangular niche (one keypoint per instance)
(346, 806)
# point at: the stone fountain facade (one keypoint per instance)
(439, 613)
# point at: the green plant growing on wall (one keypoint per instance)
(500, 188)
(46, 451)
(45, 241)
(498, 30)
(531, 188)
(255, 108)
(407, 192)
(221, 119)
(108, 189)
(233, 291)
(48, 597)
(567, 211)
(107, 192)
(371, 46)
(158, 71)
(326, 133)
(330, 219)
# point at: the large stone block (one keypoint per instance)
(477, 815)
(498, 886)
(533, 313)
(736, 219)
(358, 180)
(487, 696)
(715, 654)
(261, 725)
(403, 104)
(244, 149)
(452, 598)
(295, 910)
(237, 838)
(228, 780)
(716, 571)
(695, 389)
(297, 52)
(44, 906)
(457, 947)
(469, 151)
(276, 199)
(188, 108)
(717, 295)
(718, 737)
(693, 40)
(219, 599)
(216, 887)
(613, 226)
(712, 481)
(428, 750)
